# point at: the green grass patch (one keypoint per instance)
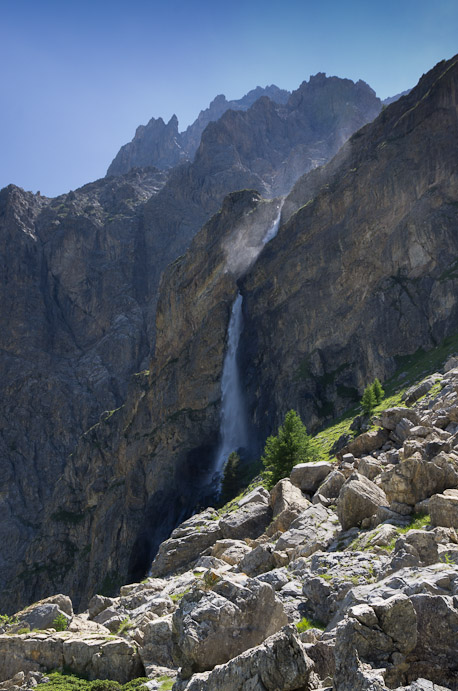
(176, 597)
(305, 624)
(166, 683)
(59, 681)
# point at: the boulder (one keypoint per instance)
(258, 494)
(434, 656)
(390, 417)
(287, 502)
(93, 657)
(415, 548)
(97, 604)
(249, 521)
(230, 551)
(418, 390)
(359, 498)
(313, 530)
(369, 467)
(285, 495)
(43, 616)
(332, 485)
(156, 649)
(371, 639)
(187, 542)
(97, 658)
(443, 509)
(365, 443)
(214, 625)
(309, 476)
(257, 561)
(416, 479)
(280, 662)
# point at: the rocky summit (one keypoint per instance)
(299, 246)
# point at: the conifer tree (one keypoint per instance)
(378, 391)
(289, 447)
(368, 401)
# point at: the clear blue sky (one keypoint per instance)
(78, 77)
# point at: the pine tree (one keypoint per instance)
(378, 391)
(368, 401)
(289, 447)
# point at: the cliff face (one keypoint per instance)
(120, 493)
(364, 270)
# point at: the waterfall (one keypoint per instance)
(273, 230)
(233, 427)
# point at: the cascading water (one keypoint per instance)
(273, 230)
(233, 428)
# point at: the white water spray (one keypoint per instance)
(233, 428)
(273, 230)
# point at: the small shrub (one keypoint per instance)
(60, 623)
(124, 626)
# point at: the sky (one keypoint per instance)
(78, 77)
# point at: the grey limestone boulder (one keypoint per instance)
(390, 417)
(313, 530)
(156, 649)
(443, 509)
(416, 479)
(187, 542)
(280, 662)
(258, 561)
(309, 476)
(249, 521)
(287, 502)
(365, 443)
(213, 625)
(372, 642)
(332, 485)
(359, 498)
(258, 494)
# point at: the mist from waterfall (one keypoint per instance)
(273, 230)
(233, 428)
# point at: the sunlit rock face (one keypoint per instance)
(364, 269)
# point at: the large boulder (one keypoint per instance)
(44, 616)
(359, 498)
(365, 443)
(156, 649)
(213, 625)
(94, 657)
(313, 530)
(416, 479)
(390, 417)
(443, 509)
(287, 502)
(280, 662)
(309, 476)
(332, 485)
(372, 642)
(417, 547)
(187, 542)
(249, 521)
